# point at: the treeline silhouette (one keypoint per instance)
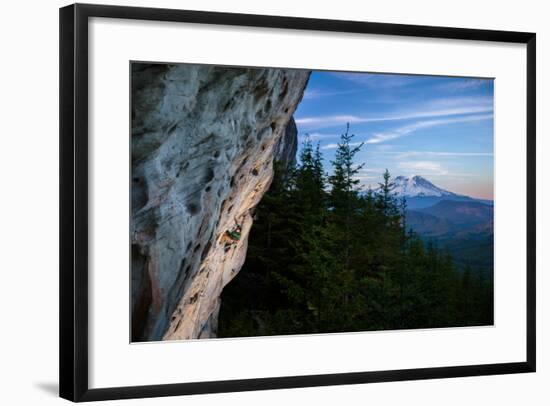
(323, 257)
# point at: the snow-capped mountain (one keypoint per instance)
(420, 192)
(417, 186)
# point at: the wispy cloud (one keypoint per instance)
(437, 108)
(335, 145)
(363, 178)
(377, 80)
(318, 136)
(424, 167)
(318, 93)
(385, 148)
(367, 173)
(464, 84)
(408, 129)
(328, 121)
(378, 170)
(409, 154)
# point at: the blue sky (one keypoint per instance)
(437, 127)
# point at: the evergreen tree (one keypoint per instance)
(310, 180)
(344, 192)
(343, 180)
(386, 199)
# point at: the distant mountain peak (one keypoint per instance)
(417, 186)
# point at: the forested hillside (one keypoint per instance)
(323, 257)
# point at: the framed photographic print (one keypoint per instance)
(297, 202)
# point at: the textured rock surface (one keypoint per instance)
(203, 144)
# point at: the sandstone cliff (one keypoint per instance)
(203, 144)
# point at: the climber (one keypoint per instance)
(232, 237)
(235, 233)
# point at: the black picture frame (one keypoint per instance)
(73, 253)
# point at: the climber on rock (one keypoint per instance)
(231, 237)
(235, 233)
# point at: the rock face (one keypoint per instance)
(288, 144)
(203, 143)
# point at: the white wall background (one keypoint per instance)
(29, 207)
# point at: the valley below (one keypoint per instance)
(462, 225)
